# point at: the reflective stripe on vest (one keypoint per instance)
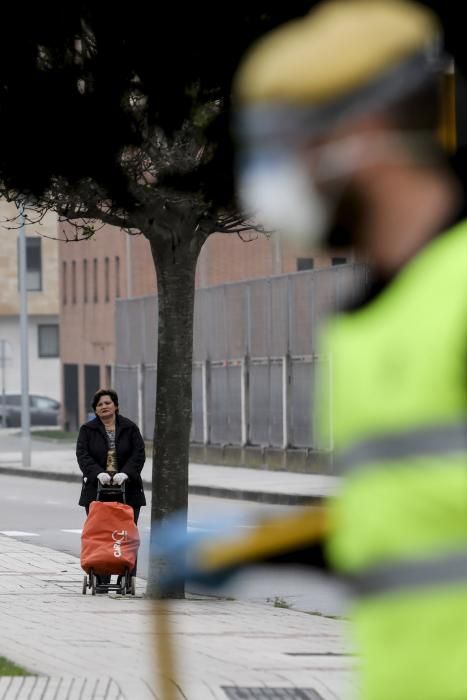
(449, 568)
(421, 442)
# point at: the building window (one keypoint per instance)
(85, 281)
(48, 340)
(92, 383)
(73, 282)
(94, 280)
(107, 279)
(117, 277)
(338, 261)
(64, 282)
(33, 264)
(305, 264)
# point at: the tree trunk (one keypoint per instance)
(175, 267)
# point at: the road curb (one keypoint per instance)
(278, 499)
(283, 499)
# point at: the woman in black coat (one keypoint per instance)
(111, 432)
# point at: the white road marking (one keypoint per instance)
(197, 527)
(192, 527)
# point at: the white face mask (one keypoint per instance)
(282, 197)
(278, 190)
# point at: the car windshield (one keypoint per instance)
(44, 403)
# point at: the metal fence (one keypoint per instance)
(256, 357)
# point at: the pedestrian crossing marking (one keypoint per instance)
(18, 533)
(77, 532)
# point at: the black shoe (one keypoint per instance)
(100, 590)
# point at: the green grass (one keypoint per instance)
(7, 668)
(320, 614)
(279, 602)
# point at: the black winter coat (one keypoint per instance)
(91, 451)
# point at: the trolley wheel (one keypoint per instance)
(132, 585)
(85, 584)
(93, 583)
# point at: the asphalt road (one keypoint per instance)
(46, 513)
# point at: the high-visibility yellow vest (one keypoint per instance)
(399, 525)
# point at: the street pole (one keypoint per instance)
(23, 317)
(3, 362)
(129, 267)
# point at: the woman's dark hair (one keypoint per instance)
(104, 392)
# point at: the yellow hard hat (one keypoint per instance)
(345, 58)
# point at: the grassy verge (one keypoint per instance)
(320, 614)
(8, 668)
(278, 602)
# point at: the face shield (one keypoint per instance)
(291, 174)
(295, 192)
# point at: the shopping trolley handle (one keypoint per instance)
(111, 489)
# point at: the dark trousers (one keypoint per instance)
(106, 579)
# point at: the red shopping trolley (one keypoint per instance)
(109, 543)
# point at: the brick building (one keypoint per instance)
(93, 273)
(227, 258)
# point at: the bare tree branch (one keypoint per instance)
(248, 240)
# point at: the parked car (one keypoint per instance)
(44, 410)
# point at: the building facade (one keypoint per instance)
(113, 265)
(93, 274)
(229, 258)
(43, 304)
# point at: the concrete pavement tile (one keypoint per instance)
(57, 631)
(72, 688)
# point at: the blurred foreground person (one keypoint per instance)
(338, 124)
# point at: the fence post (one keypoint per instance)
(285, 401)
(205, 379)
(245, 400)
(140, 385)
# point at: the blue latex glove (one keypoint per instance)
(178, 550)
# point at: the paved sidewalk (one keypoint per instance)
(91, 647)
(276, 487)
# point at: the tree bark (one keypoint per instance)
(175, 267)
